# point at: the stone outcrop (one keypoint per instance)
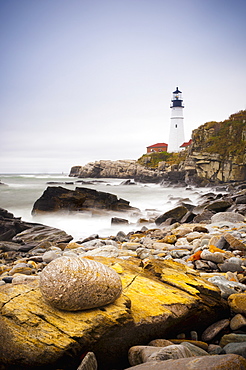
(125, 169)
(18, 235)
(61, 199)
(218, 152)
(157, 297)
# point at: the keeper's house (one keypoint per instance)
(159, 147)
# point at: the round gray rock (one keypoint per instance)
(77, 283)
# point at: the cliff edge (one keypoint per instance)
(218, 150)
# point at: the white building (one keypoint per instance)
(176, 133)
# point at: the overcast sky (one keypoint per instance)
(83, 80)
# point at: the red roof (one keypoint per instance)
(187, 143)
(159, 145)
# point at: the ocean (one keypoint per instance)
(20, 191)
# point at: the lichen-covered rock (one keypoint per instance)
(77, 283)
(158, 298)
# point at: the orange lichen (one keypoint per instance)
(196, 256)
(213, 249)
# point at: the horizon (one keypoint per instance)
(89, 80)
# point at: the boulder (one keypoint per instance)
(176, 214)
(61, 199)
(157, 297)
(75, 284)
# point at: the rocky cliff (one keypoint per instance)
(218, 150)
(125, 169)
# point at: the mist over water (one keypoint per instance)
(21, 191)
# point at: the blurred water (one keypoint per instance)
(21, 191)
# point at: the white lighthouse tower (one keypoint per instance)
(176, 134)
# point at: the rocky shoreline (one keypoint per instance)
(183, 301)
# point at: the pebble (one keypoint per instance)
(238, 321)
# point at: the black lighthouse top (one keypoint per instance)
(177, 99)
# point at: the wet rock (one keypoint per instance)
(57, 198)
(218, 205)
(74, 284)
(118, 220)
(175, 213)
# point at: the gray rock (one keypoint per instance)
(227, 216)
(233, 264)
(215, 349)
(216, 257)
(227, 287)
(40, 234)
(9, 246)
(236, 348)
(51, 255)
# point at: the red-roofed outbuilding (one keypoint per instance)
(185, 144)
(159, 147)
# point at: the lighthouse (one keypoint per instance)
(176, 134)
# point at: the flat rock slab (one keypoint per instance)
(157, 299)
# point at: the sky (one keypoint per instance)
(84, 80)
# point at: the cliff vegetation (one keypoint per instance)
(153, 160)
